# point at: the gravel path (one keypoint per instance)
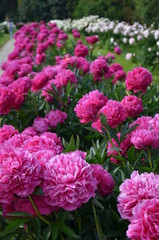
(4, 51)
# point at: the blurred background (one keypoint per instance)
(22, 11)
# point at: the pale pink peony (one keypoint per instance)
(145, 221)
(81, 50)
(89, 105)
(40, 124)
(6, 132)
(20, 174)
(124, 146)
(138, 79)
(105, 182)
(68, 181)
(99, 68)
(133, 191)
(133, 105)
(55, 117)
(63, 77)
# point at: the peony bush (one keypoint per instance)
(79, 153)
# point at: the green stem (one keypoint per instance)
(150, 160)
(37, 211)
(98, 226)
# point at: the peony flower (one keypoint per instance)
(119, 76)
(89, 105)
(6, 132)
(20, 174)
(145, 221)
(55, 117)
(39, 81)
(133, 191)
(138, 80)
(133, 105)
(63, 77)
(124, 146)
(68, 181)
(40, 124)
(99, 68)
(81, 50)
(105, 182)
(117, 50)
(92, 39)
(115, 113)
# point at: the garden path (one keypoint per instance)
(4, 51)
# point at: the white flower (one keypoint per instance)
(125, 40)
(131, 41)
(128, 56)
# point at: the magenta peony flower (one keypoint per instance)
(138, 79)
(83, 65)
(39, 81)
(40, 58)
(133, 105)
(110, 57)
(115, 113)
(6, 132)
(89, 105)
(40, 124)
(124, 146)
(29, 132)
(81, 50)
(117, 50)
(92, 39)
(19, 174)
(143, 138)
(55, 117)
(75, 33)
(99, 68)
(68, 181)
(7, 99)
(105, 182)
(63, 77)
(145, 221)
(133, 191)
(119, 76)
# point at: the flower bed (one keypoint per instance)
(79, 141)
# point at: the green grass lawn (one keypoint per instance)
(3, 39)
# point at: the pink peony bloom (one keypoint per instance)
(29, 132)
(133, 105)
(99, 68)
(133, 191)
(110, 57)
(75, 33)
(138, 79)
(68, 181)
(40, 124)
(143, 139)
(115, 113)
(124, 146)
(39, 81)
(20, 174)
(89, 105)
(92, 39)
(105, 182)
(117, 50)
(119, 76)
(6, 132)
(7, 99)
(40, 58)
(83, 65)
(81, 50)
(55, 117)
(63, 77)
(145, 221)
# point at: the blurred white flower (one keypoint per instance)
(131, 41)
(128, 56)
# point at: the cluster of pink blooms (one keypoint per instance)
(92, 39)
(138, 202)
(76, 34)
(30, 159)
(117, 50)
(52, 119)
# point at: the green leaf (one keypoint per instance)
(112, 133)
(18, 214)
(130, 154)
(46, 234)
(55, 231)
(68, 231)
(103, 120)
(77, 142)
(14, 225)
(37, 228)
